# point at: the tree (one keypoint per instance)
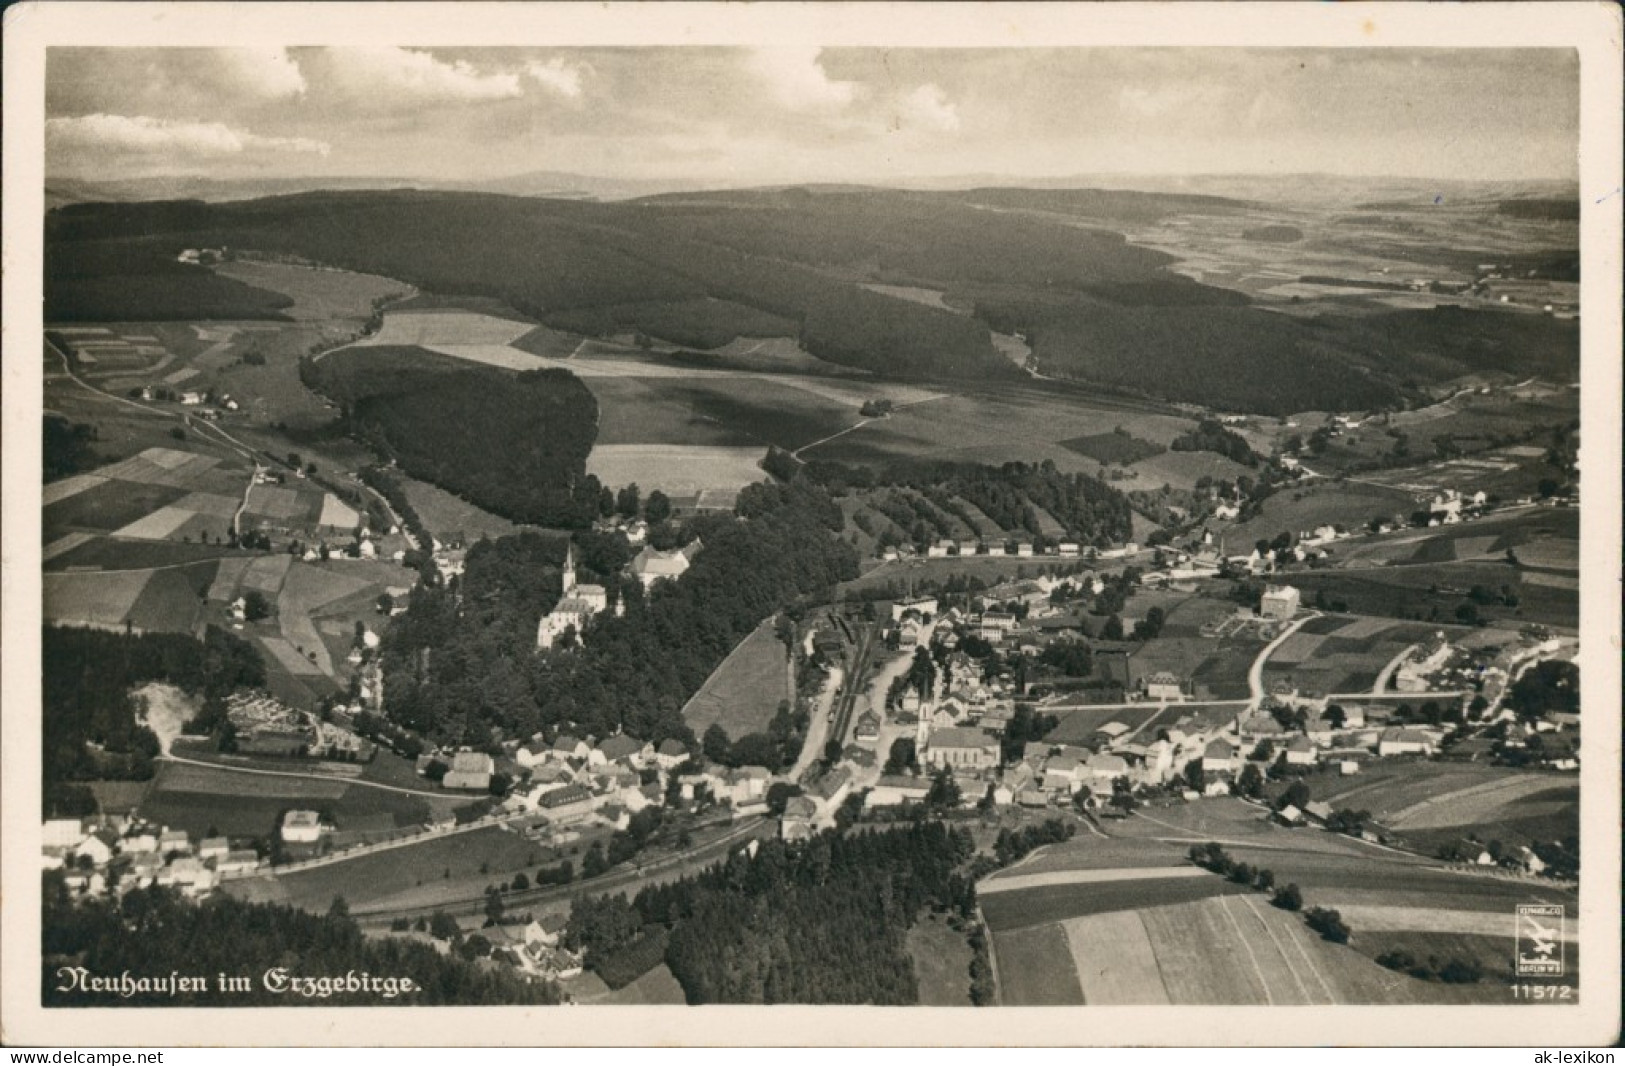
(1264, 881)
(1195, 778)
(902, 757)
(255, 605)
(520, 881)
(1296, 795)
(443, 926)
(658, 507)
(944, 793)
(1251, 782)
(627, 501)
(779, 794)
(1336, 715)
(715, 743)
(1288, 898)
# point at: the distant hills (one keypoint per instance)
(701, 268)
(1305, 188)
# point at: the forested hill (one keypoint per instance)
(701, 269)
(514, 444)
(462, 661)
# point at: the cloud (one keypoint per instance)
(140, 134)
(266, 72)
(798, 80)
(557, 76)
(928, 108)
(391, 74)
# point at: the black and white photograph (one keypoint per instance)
(825, 508)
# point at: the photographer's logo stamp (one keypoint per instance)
(1540, 940)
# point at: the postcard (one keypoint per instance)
(812, 523)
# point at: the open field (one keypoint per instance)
(1433, 593)
(1340, 654)
(1036, 967)
(738, 409)
(1299, 508)
(485, 856)
(656, 988)
(1113, 449)
(1434, 803)
(449, 515)
(1036, 906)
(1078, 727)
(318, 293)
(90, 598)
(942, 959)
(1114, 958)
(745, 690)
(692, 476)
(443, 326)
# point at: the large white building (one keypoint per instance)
(1280, 602)
(576, 606)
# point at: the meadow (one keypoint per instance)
(942, 959)
(745, 690)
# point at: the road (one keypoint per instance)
(818, 725)
(1255, 673)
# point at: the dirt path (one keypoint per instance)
(309, 777)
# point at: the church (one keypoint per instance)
(577, 604)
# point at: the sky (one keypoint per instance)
(733, 115)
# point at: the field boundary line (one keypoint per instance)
(1269, 1000)
(307, 777)
(1286, 957)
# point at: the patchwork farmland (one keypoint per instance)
(1126, 919)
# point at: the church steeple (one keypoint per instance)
(569, 576)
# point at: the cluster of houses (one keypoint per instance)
(110, 855)
(569, 781)
(1015, 548)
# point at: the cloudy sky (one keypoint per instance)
(738, 115)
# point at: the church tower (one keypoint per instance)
(569, 575)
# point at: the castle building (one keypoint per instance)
(577, 605)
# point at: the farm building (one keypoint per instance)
(1219, 757)
(651, 565)
(1301, 751)
(469, 769)
(868, 726)
(1163, 685)
(1280, 602)
(892, 791)
(1404, 742)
